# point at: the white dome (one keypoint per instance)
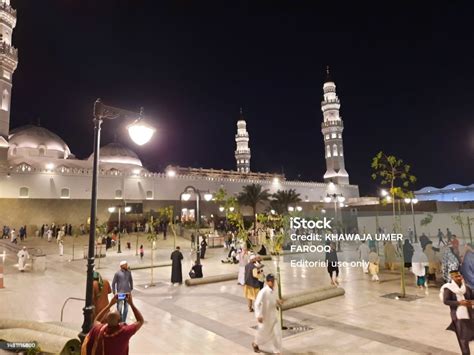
(115, 153)
(35, 140)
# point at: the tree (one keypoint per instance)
(392, 171)
(152, 238)
(426, 221)
(282, 199)
(251, 196)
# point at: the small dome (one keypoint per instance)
(116, 153)
(39, 139)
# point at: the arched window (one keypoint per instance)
(5, 100)
(118, 194)
(41, 150)
(334, 150)
(149, 195)
(24, 192)
(328, 151)
(340, 150)
(65, 193)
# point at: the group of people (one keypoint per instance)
(11, 233)
(110, 333)
(54, 231)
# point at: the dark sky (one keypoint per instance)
(404, 75)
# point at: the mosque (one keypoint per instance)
(42, 180)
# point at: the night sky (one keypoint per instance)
(404, 75)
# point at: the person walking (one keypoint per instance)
(269, 336)
(374, 262)
(49, 234)
(122, 283)
(440, 237)
(176, 269)
(13, 236)
(390, 255)
(22, 255)
(252, 286)
(418, 265)
(332, 264)
(460, 299)
(364, 252)
(108, 335)
(100, 293)
(61, 247)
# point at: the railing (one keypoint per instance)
(67, 300)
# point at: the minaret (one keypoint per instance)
(8, 63)
(242, 151)
(332, 128)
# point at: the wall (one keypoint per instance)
(440, 220)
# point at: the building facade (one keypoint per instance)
(42, 181)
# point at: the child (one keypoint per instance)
(374, 262)
(142, 252)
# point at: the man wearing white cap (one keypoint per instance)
(122, 284)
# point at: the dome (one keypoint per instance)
(37, 141)
(116, 153)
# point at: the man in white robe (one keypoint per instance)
(22, 256)
(269, 336)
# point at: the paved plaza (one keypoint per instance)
(213, 318)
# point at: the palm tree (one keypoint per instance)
(282, 199)
(251, 196)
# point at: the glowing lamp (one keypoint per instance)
(140, 132)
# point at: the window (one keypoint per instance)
(65, 193)
(7, 74)
(42, 151)
(339, 135)
(340, 150)
(333, 135)
(24, 192)
(149, 195)
(327, 136)
(328, 151)
(334, 150)
(5, 100)
(118, 194)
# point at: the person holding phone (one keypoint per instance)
(109, 336)
(122, 285)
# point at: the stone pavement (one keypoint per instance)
(213, 319)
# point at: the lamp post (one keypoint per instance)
(126, 209)
(140, 133)
(412, 202)
(336, 198)
(185, 196)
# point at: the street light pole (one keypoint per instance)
(89, 307)
(140, 134)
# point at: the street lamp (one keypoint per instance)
(185, 196)
(140, 133)
(337, 199)
(413, 201)
(126, 209)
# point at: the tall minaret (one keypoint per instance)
(242, 151)
(332, 128)
(8, 63)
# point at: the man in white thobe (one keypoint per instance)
(268, 337)
(22, 256)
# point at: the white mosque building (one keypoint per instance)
(41, 179)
